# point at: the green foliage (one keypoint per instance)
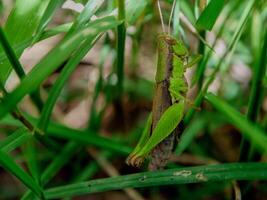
(225, 121)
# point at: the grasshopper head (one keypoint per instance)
(178, 47)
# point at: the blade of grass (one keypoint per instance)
(176, 20)
(223, 172)
(11, 166)
(15, 140)
(29, 151)
(85, 137)
(52, 61)
(210, 14)
(81, 137)
(199, 75)
(90, 8)
(84, 17)
(18, 67)
(249, 130)
(189, 134)
(47, 16)
(232, 45)
(255, 100)
(53, 168)
(60, 82)
(121, 36)
(21, 24)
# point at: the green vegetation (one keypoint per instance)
(69, 120)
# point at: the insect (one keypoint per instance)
(168, 104)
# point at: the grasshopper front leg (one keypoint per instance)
(165, 126)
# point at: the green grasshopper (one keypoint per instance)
(168, 104)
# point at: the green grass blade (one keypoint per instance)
(11, 54)
(21, 24)
(85, 137)
(121, 36)
(189, 134)
(47, 16)
(53, 168)
(11, 166)
(209, 16)
(255, 99)
(30, 153)
(52, 61)
(176, 19)
(63, 157)
(230, 48)
(249, 130)
(60, 82)
(210, 173)
(17, 66)
(82, 137)
(133, 9)
(89, 10)
(15, 140)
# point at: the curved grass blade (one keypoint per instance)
(15, 140)
(255, 99)
(189, 134)
(81, 137)
(18, 67)
(249, 130)
(230, 48)
(210, 173)
(53, 168)
(210, 14)
(21, 24)
(121, 36)
(88, 138)
(11, 166)
(60, 82)
(84, 17)
(90, 8)
(47, 16)
(53, 60)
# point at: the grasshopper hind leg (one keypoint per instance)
(133, 159)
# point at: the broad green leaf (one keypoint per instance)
(250, 131)
(20, 26)
(11, 166)
(53, 60)
(209, 16)
(201, 174)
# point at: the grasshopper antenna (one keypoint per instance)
(161, 17)
(171, 15)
